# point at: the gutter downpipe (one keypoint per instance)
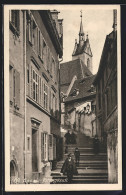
(59, 92)
(24, 59)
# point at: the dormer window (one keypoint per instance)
(75, 92)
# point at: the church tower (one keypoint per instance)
(82, 49)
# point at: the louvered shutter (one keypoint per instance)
(42, 96)
(47, 98)
(40, 90)
(50, 147)
(17, 89)
(31, 81)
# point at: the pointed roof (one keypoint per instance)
(69, 69)
(81, 29)
(80, 50)
(81, 26)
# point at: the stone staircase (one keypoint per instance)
(92, 168)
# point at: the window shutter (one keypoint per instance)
(42, 147)
(54, 148)
(47, 98)
(50, 146)
(31, 81)
(18, 20)
(11, 83)
(50, 100)
(41, 45)
(17, 89)
(40, 90)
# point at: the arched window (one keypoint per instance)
(88, 63)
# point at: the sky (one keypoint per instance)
(97, 23)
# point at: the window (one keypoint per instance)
(11, 84)
(50, 147)
(29, 23)
(44, 147)
(28, 143)
(28, 74)
(14, 87)
(45, 96)
(54, 148)
(88, 63)
(35, 85)
(48, 59)
(40, 44)
(44, 54)
(53, 69)
(35, 37)
(15, 19)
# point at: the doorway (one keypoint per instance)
(13, 172)
(34, 151)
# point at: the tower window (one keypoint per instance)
(88, 63)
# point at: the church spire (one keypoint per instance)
(81, 33)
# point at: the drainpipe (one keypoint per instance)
(59, 89)
(59, 95)
(24, 60)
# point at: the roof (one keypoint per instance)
(72, 68)
(81, 49)
(83, 86)
(69, 69)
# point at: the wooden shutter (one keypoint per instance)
(17, 89)
(40, 90)
(50, 146)
(11, 83)
(41, 45)
(31, 82)
(54, 148)
(42, 147)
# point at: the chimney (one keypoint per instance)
(115, 20)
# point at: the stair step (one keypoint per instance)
(82, 176)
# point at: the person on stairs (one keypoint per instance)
(69, 168)
(77, 156)
(96, 144)
(68, 137)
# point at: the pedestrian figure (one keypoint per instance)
(73, 138)
(77, 156)
(69, 168)
(66, 150)
(96, 144)
(67, 136)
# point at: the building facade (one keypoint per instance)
(41, 49)
(17, 101)
(106, 101)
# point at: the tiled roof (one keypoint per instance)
(69, 69)
(84, 88)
